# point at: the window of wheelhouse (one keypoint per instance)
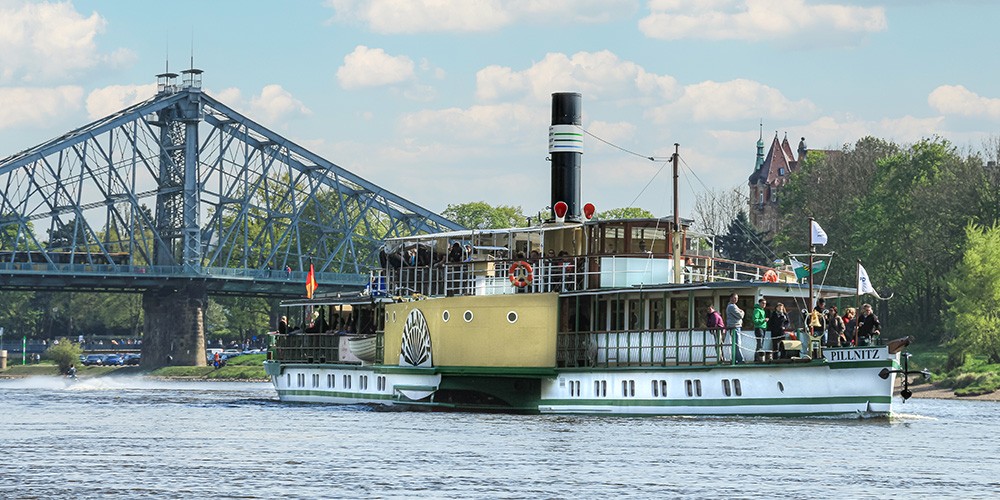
(648, 239)
(657, 320)
(679, 314)
(701, 310)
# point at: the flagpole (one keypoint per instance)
(812, 250)
(857, 301)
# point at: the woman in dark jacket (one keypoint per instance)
(777, 324)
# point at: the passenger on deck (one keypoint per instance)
(835, 329)
(714, 324)
(868, 326)
(851, 326)
(734, 323)
(455, 253)
(760, 322)
(283, 325)
(777, 324)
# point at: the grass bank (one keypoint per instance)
(247, 367)
(973, 375)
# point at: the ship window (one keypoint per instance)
(288, 379)
(656, 389)
(380, 382)
(697, 387)
(467, 316)
(445, 316)
(574, 388)
(689, 386)
(725, 387)
(781, 387)
(331, 380)
(679, 314)
(315, 380)
(736, 387)
(663, 388)
(363, 382)
(600, 388)
(394, 316)
(512, 317)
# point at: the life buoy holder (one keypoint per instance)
(771, 276)
(520, 274)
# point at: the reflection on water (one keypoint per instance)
(131, 438)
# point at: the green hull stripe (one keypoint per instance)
(719, 402)
(335, 394)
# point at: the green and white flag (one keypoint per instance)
(802, 269)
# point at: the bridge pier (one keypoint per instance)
(174, 332)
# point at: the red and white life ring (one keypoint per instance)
(771, 276)
(520, 274)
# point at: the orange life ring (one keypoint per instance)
(520, 274)
(771, 276)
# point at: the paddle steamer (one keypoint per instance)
(572, 315)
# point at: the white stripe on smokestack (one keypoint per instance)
(566, 151)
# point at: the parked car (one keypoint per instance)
(230, 353)
(114, 360)
(94, 359)
(132, 359)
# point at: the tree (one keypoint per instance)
(973, 313)
(714, 210)
(482, 215)
(64, 353)
(742, 243)
(625, 213)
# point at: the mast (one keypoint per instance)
(678, 236)
(812, 250)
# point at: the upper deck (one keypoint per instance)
(566, 257)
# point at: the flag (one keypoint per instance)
(865, 284)
(818, 235)
(802, 269)
(311, 282)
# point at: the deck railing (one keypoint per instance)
(559, 274)
(643, 348)
(307, 348)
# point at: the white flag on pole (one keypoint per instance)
(818, 234)
(865, 284)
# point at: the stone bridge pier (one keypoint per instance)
(174, 332)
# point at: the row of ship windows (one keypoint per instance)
(467, 316)
(331, 381)
(658, 388)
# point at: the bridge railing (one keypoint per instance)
(180, 271)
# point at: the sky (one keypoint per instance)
(448, 101)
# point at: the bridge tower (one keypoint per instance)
(174, 330)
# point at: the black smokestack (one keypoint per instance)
(566, 150)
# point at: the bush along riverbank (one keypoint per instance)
(241, 368)
(965, 377)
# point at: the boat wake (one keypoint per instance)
(124, 383)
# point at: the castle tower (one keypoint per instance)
(771, 172)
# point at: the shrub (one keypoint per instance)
(64, 353)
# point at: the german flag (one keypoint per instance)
(311, 282)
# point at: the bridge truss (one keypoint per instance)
(183, 187)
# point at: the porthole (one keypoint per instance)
(781, 387)
(467, 316)
(445, 316)
(394, 316)
(512, 317)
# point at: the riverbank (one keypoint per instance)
(931, 391)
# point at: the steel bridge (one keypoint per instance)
(180, 194)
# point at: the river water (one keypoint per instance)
(137, 438)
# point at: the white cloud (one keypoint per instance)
(483, 125)
(108, 100)
(50, 41)
(733, 100)
(758, 20)
(423, 16)
(367, 67)
(597, 74)
(36, 106)
(958, 100)
(275, 103)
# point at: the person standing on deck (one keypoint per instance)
(868, 326)
(714, 323)
(760, 323)
(734, 322)
(777, 325)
